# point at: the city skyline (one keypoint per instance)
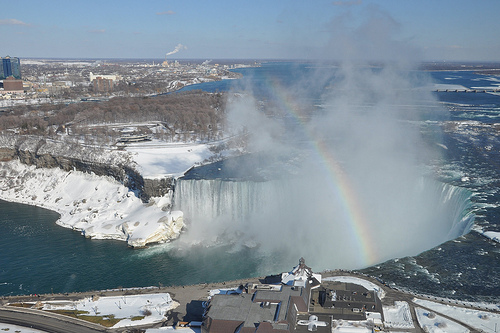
(426, 30)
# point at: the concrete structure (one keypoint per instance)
(10, 67)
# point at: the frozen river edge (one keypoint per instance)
(99, 207)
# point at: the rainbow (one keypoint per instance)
(338, 180)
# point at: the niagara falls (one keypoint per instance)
(346, 177)
(218, 142)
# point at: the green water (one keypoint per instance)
(38, 256)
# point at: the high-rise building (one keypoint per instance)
(102, 85)
(10, 67)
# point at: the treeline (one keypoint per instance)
(179, 113)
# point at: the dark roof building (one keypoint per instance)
(300, 304)
(265, 308)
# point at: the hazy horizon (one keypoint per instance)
(440, 30)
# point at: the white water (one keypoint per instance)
(307, 218)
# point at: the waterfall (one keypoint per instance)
(305, 218)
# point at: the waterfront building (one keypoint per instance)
(299, 302)
(10, 67)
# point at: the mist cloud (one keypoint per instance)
(353, 190)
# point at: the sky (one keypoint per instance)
(440, 30)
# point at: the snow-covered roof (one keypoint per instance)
(299, 275)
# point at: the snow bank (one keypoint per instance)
(133, 310)
(480, 320)
(99, 207)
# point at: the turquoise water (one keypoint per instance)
(38, 256)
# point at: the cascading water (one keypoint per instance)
(295, 217)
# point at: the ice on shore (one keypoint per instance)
(493, 235)
(99, 207)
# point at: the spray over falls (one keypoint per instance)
(356, 128)
(351, 188)
(303, 217)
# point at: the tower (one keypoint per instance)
(10, 67)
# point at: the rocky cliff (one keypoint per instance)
(43, 153)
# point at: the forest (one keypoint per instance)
(186, 116)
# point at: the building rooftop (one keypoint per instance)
(291, 307)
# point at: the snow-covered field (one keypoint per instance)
(480, 320)
(158, 159)
(433, 323)
(99, 207)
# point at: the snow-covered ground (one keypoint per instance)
(433, 323)
(480, 320)
(398, 316)
(158, 159)
(133, 310)
(99, 207)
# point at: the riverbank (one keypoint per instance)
(98, 206)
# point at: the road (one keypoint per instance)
(46, 321)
